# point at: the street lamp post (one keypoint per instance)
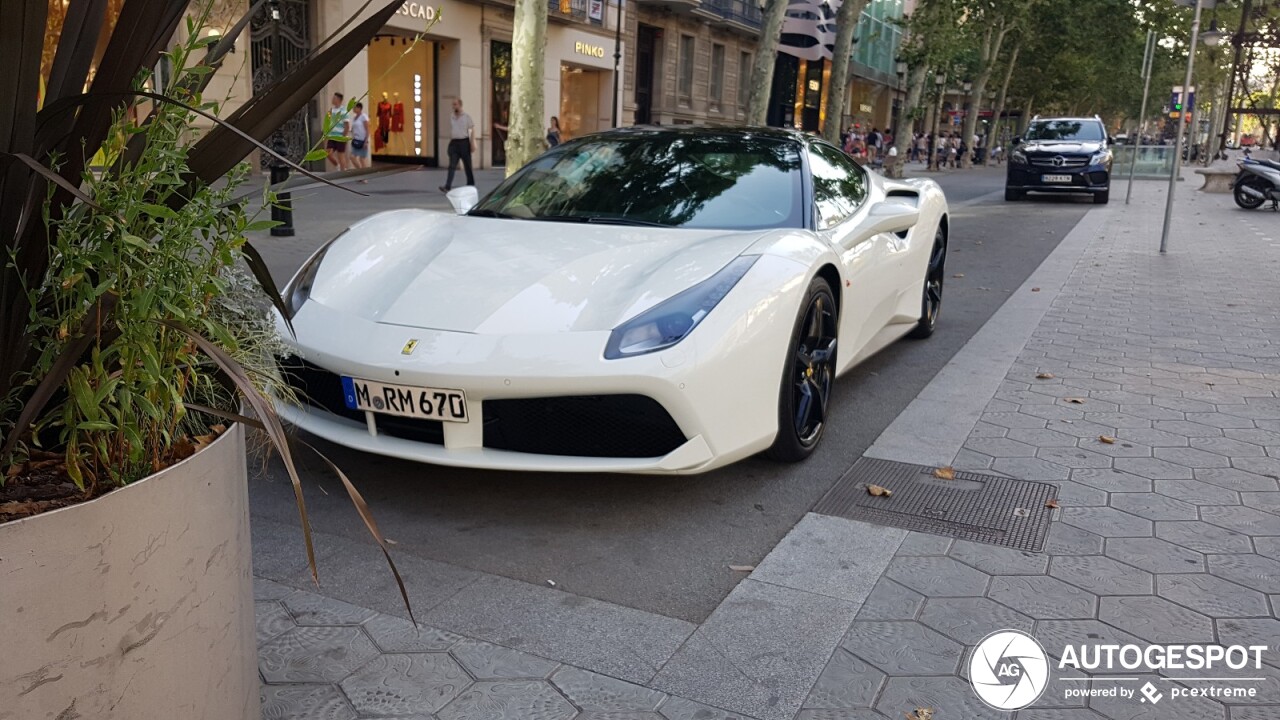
(1237, 40)
(282, 208)
(1147, 58)
(901, 68)
(617, 61)
(1176, 172)
(939, 82)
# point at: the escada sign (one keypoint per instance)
(596, 51)
(417, 10)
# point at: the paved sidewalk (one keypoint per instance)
(1169, 534)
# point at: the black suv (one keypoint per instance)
(1061, 155)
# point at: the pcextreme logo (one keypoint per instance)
(1008, 670)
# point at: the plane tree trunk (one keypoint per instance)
(762, 63)
(842, 57)
(528, 66)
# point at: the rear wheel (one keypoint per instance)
(808, 375)
(1244, 199)
(1102, 197)
(931, 304)
(1011, 195)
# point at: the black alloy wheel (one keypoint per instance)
(935, 273)
(805, 397)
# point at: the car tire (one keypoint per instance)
(1011, 195)
(934, 274)
(811, 364)
(1102, 198)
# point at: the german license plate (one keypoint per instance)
(1055, 178)
(424, 403)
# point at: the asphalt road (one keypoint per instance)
(654, 543)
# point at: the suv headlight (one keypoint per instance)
(298, 291)
(1017, 157)
(671, 320)
(1101, 157)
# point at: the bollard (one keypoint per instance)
(282, 208)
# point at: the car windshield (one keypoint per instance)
(1083, 130)
(733, 182)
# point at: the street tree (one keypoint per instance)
(997, 114)
(775, 12)
(987, 24)
(528, 66)
(841, 58)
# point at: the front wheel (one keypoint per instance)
(931, 304)
(1102, 197)
(1244, 199)
(1011, 195)
(808, 374)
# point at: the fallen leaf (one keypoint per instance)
(878, 491)
(1052, 504)
(218, 429)
(391, 542)
(1045, 376)
(946, 473)
(742, 568)
(1107, 439)
(551, 583)
(13, 471)
(921, 714)
(958, 275)
(1035, 289)
(977, 242)
(1075, 401)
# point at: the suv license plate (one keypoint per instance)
(424, 403)
(1055, 178)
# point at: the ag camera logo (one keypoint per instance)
(1008, 670)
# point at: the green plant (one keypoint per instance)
(121, 312)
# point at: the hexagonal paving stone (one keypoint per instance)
(1154, 468)
(1059, 713)
(270, 619)
(1249, 631)
(1154, 555)
(902, 648)
(1203, 537)
(1212, 595)
(1118, 708)
(1252, 571)
(1227, 447)
(1111, 480)
(681, 709)
(846, 682)
(1043, 597)
(918, 543)
(1187, 428)
(890, 601)
(1106, 521)
(1266, 466)
(1155, 619)
(1077, 458)
(264, 589)
(1031, 469)
(1082, 429)
(1192, 458)
(1056, 635)
(312, 609)
(1242, 519)
(1197, 492)
(1043, 438)
(993, 559)
(598, 715)
(1102, 575)
(1013, 420)
(1068, 540)
(398, 684)
(1080, 495)
(1000, 447)
(313, 702)
(509, 700)
(394, 634)
(1151, 437)
(902, 694)
(1154, 506)
(314, 654)
(486, 661)
(592, 691)
(1220, 420)
(937, 576)
(1257, 712)
(1268, 547)
(1264, 501)
(842, 714)
(1237, 479)
(968, 620)
(1119, 448)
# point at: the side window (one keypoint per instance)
(839, 185)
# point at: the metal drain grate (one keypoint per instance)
(982, 508)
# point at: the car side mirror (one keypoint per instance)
(463, 198)
(1017, 140)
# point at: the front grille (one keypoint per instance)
(624, 426)
(1051, 161)
(322, 389)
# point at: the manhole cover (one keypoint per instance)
(982, 508)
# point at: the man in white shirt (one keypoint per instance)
(462, 142)
(359, 137)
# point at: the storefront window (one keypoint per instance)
(500, 72)
(402, 97)
(579, 101)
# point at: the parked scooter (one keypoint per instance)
(1257, 182)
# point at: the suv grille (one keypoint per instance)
(322, 389)
(1051, 161)
(625, 426)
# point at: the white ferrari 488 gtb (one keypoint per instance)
(644, 300)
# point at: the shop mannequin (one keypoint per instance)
(399, 144)
(383, 133)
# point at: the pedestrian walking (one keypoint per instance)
(462, 142)
(553, 132)
(359, 138)
(335, 147)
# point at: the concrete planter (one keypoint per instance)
(138, 604)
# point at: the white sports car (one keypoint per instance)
(644, 300)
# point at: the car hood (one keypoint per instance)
(1060, 146)
(427, 269)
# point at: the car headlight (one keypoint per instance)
(1017, 157)
(671, 320)
(1100, 158)
(298, 291)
